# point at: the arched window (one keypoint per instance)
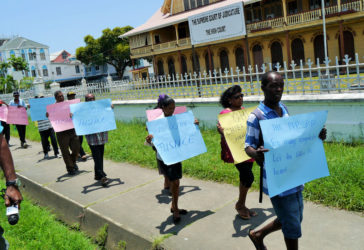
(184, 65)
(298, 51)
(45, 70)
(239, 58)
(171, 68)
(258, 55)
(349, 48)
(33, 71)
(160, 68)
(224, 61)
(318, 44)
(276, 52)
(195, 60)
(207, 63)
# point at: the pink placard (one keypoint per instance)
(59, 115)
(152, 114)
(3, 113)
(17, 115)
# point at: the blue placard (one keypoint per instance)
(177, 138)
(38, 108)
(296, 154)
(93, 117)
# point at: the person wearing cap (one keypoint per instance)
(70, 96)
(6, 127)
(46, 131)
(17, 102)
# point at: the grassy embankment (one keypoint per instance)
(344, 188)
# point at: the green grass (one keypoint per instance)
(39, 229)
(344, 188)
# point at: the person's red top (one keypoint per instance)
(225, 151)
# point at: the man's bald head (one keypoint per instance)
(269, 76)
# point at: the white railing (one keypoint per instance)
(262, 25)
(141, 51)
(300, 78)
(164, 46)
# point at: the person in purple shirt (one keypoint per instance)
(288, 205)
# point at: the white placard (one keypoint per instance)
(217, 24)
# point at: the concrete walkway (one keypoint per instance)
(137, 211)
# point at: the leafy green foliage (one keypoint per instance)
(18, 63)
(108, 48)
(7, 84)
(101, 236)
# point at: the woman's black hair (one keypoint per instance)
(224, 99)
(166, 101)
(57, 93)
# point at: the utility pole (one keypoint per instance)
(324, 29)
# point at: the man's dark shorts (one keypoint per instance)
(172, 172)
(289, 210)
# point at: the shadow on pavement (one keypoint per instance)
(168, 227)
(97, 185)
(165, 196)
(242, 226)
(67, 176)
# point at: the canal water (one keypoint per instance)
(345, 120)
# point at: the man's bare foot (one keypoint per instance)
(257, 243)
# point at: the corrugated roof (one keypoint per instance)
(21, 43)
(159, 20)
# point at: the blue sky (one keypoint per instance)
(62, 24)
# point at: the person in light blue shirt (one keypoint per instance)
(288, 205)
(21, 128)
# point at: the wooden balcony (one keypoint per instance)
(306, 16)
(148, 50)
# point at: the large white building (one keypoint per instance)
(36, 55)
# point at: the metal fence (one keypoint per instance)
(300, 79)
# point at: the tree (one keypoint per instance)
(18, 63)
(108, 48)
(4, 68)
(7, 84)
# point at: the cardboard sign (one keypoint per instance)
(3, 113)
(17, 115)
(59, 115)
(152, 114)
(93, 117)
(38, 108)
(296, 153)
(234, 125)
(177, 138)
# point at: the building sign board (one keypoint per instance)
(217, 24)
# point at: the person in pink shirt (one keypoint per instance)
(232, 100)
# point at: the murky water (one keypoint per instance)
(345, 119)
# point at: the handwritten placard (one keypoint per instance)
(93, 117)
(38, 107)
(234, 125)
(59, 115)
(296, 154)
(3, 113)
(177, 138)
(152, 114)
(17, 115)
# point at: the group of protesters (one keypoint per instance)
(66, 144)
(288, 205)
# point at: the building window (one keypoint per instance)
(258, 56)
(34, 73)
(157, 39)
(224, 61)
(77, 68)
(184, 65)
(32, 56)
(318, 44)
(64, 55)
(42, 56)
(349, 48)
(45, 72)
(160, 68)
(207, 63)
(195, 63)
(23, 56)
(58, 71)
(239, 58)
(88, 69)
(276, 53)
(97, 68)
(171, 68)
(186, 4)
(298, 51)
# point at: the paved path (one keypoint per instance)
(137, 211)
